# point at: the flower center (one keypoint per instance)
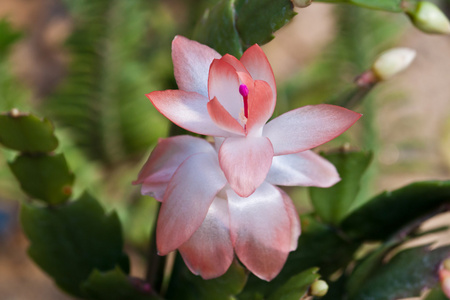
(243, 90)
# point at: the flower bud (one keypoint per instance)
(427, 17)
(444, 276)
(392, 62)
(319, 288)
(302, 3)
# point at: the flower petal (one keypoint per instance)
(223, 83)
(305, 169)
(293, 218)
(209, 251)
(308, 127)
(223, 119)
(260, 107)
(245, 162)
(165, 159)
(255, 61)
(189, 195)
(191, 62)
(235, 63)
(260, 230)
(187, 110)
(155, 189)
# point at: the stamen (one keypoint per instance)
(243, 90)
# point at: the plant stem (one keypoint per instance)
(155, 263)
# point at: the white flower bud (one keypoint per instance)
(319, 288)
(427, 17)
(392, 62)
(302, 3)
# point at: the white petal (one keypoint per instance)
(260, 230)
(302, 169)
(165, 159)
(308, 127)
(189, 195)
(209, 251)
(191, 62)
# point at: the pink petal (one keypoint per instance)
(191, 62)
(308, 127)
(445, 285)
(255, 61)
(246, 79)
(293, 218)
(187, 110)
(305, 169)
(222, 118)
(155, 189)
(245, 162)
(165, 159)
(189, 195)
(209, 251)
(235, 63)
(260, 230)
(223, 83)
(260, 107)
(444, 277)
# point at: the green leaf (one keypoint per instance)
(390, 211)
(364, 270)
(187, 286)
(44, 177)
(68, 242)
(405, 275)
(386, 5)
(296, 287)
(257, 20)
(115, 285)
(232, 26)
(333, 204)
(27, 133)
(436, 294)
(217, 29)
(318, 246)
(7, 36)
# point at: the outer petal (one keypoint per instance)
(260, 107)
(308, 127)
(293, 218)
(255, 61)
(223, 119)
(260, 230)
(191, 62)
(165, 159)
(187, 110)
(189, 194)
(209, 251)
(245, 162)
(305, 169)
(223, 83)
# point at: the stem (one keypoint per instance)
(155, 263)
(354, 97)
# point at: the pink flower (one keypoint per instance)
(208, 222)
(222, 199)
(222, 96)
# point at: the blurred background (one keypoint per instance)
(87, 65)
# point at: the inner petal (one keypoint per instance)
(223, 83)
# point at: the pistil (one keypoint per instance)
(243, 90)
